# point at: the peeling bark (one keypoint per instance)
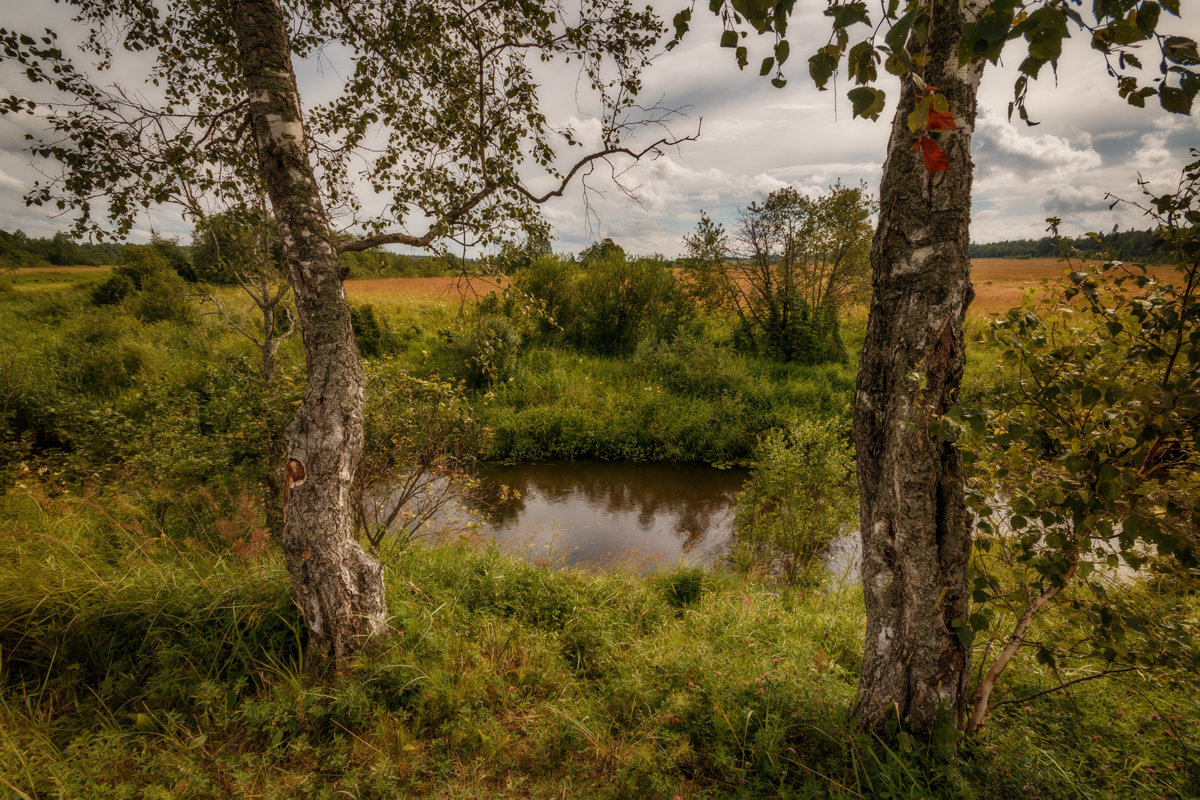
(916, 535)
(338, 586)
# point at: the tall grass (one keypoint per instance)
(139, 666)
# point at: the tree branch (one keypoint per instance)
(1035, 695)
(444, 224)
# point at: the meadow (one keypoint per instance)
(149, 646)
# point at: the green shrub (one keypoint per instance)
(372, 334)
(692, 364)
(113, 290)
(682, 587)
(100, 356)
(548, 284)
(800, 493)
(162, 298)
(618, 302)
(485, 351)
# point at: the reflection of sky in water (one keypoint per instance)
(588, 512)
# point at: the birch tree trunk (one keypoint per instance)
(338, 586)
(916, 535)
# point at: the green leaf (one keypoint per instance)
(897, 63)
(1175, 100)
(782, 50)
(1181, 50)
(897, 35)
(917, 117)
(821, 67)
(729, 39)
(848, 14)
(866, 102)
(768, 64)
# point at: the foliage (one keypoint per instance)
(1116, 29)
(484, 349)
(19, 250)
(412, 88)
(240, 240)
(370, 331)
(422, 441)
(1090, 465)
(607, 303)
(800, 495)
(1132, 245)
(619, 301)
(140, 665)
(794, 262)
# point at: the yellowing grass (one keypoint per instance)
(1000, 283)
(448, 289)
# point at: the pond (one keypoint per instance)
(601, 512)
(646, 515)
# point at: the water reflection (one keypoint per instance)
(596, 513)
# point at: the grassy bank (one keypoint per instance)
(137, 665)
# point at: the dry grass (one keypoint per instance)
(448, 289)
(59, 270)
(1000, 283)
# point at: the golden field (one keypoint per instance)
(1000, 283)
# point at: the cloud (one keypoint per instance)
(10, 184)
(756, 138)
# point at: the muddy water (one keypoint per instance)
(648, 515)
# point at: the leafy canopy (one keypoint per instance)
(863, 37)
(434, 133)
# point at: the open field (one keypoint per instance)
(1001, 282)
(446, 289)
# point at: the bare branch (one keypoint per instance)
(1027, 698)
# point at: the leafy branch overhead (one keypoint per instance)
(438, 130)
(896, 37)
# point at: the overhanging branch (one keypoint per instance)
(444, 224)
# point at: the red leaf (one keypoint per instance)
(939, 121)
(934, 157)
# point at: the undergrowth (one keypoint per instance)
(137, 664)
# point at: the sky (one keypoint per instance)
(754, 138)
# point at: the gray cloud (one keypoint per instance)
(756, 138)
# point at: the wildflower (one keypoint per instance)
(1028, 708)
(1155, 717)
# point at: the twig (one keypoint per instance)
(1027, 698)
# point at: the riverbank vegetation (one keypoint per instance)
(150, 646)
(142, 662)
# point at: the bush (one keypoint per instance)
(99, 357)
(372, 333)
(548, 284)
(693, 365)
(113, 290)
(619, 302)
(800, 493)
(162, 299)
(485, 352)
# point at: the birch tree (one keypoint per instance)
(916, 531)
(437, 132)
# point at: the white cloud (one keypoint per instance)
(756, 138)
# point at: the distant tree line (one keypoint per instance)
(1123, 245)
(198, 262)
(20, 250)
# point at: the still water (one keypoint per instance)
(599, 513)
